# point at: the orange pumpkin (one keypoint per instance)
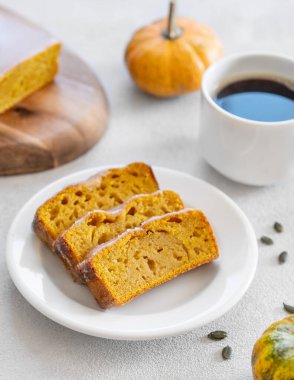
(167, 60)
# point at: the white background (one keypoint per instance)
(160, 132)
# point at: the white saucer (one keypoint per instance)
(187, 302)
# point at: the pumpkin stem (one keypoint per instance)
(172, 32)
(171, 19)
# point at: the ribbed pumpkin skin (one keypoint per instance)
(164, 67)
(273, 353)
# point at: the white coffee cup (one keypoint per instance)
(247, 151)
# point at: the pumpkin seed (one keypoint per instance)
(288, 308)
(278, 227)
(217, 335)
(227, 352)
(283, 257)
(266, 240)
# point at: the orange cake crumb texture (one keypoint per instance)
(29, 59)
(140, 259)
(103, 191)
(28, 76)
(98, 227)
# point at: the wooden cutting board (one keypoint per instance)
(56, 124)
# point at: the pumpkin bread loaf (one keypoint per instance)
(103, 191)
(142, 258)
(29, 59)
(99, 226)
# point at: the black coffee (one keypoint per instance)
(258, 99)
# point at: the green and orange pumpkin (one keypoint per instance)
(273, 353)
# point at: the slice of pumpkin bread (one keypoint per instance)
(102, 191)
(142, 258)
(99, 226)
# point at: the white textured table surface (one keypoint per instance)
(162, 133)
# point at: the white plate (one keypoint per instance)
(189, 301)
